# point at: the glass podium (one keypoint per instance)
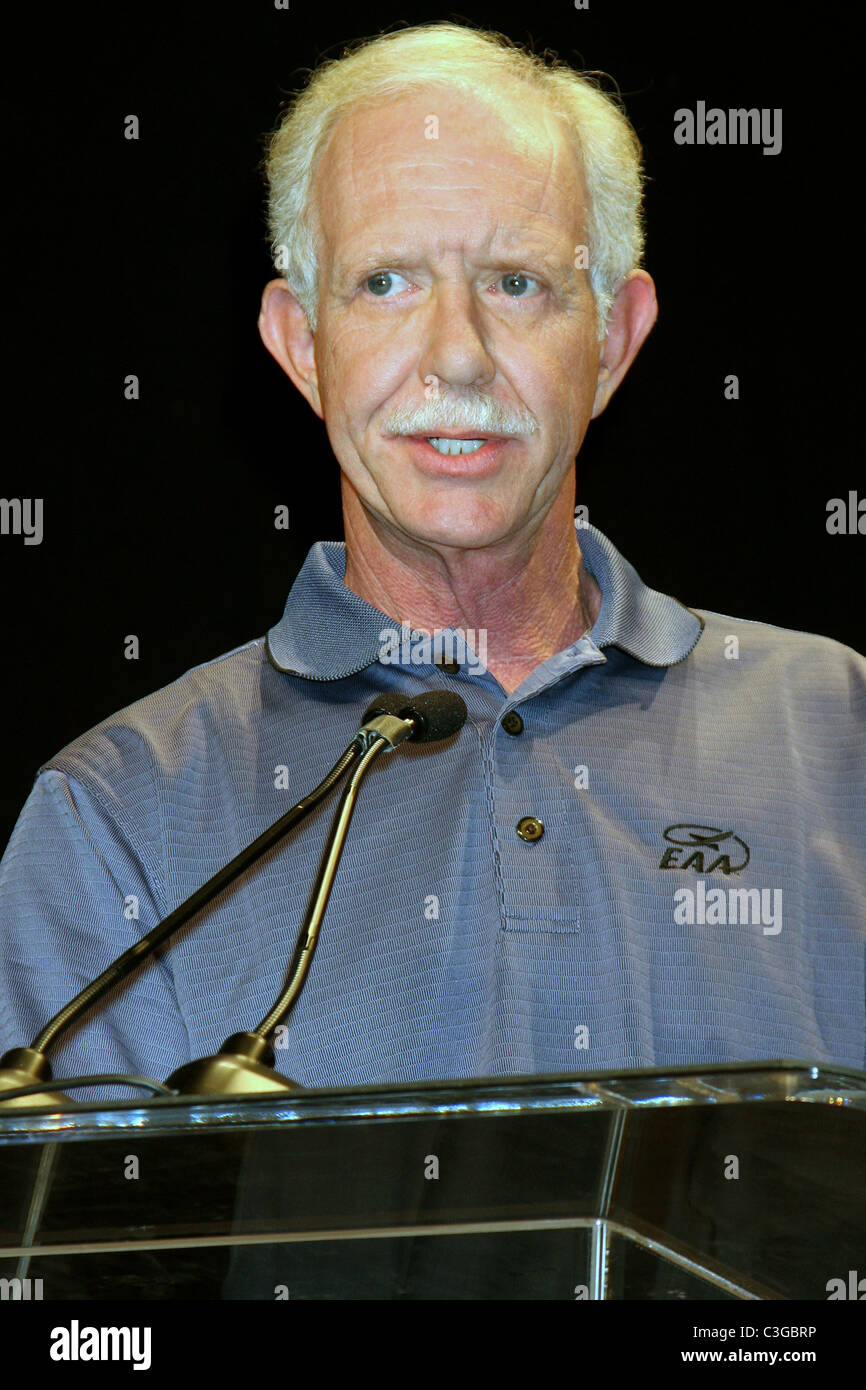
(728, 1182)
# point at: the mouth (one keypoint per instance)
(452, 445)
(458, 455)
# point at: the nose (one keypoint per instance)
(456, 351)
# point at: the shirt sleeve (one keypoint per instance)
(74, 894)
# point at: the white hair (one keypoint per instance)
(453, 56)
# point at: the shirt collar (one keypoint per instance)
(327, 632)
(652, 627)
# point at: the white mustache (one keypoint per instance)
(481, 414)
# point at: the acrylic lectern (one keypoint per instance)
(741, 1181)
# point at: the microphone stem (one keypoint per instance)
(126, 963)
(321, 892)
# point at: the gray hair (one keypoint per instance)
(453, 56)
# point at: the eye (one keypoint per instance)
(382, 282)
(516, 283)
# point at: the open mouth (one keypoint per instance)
(450, 447)
(457, 456)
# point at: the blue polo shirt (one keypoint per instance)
(660, 862)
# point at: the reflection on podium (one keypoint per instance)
(729, 1182)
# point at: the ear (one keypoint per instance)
(632, 315)
(287, 335)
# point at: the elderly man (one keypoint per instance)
(646, 845)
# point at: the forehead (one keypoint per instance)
(500, 167)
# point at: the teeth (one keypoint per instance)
(457, 446)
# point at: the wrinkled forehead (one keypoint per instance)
(503, 153)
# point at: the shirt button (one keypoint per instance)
(530, 828)
(449, 667)
(512, 723)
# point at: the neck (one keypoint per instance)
(532, 597)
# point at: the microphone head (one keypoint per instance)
(389, 702)
(437, 714)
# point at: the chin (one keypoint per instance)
(472, 529)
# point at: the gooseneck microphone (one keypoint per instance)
(388, 721)
(245, 1062)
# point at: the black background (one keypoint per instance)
(149, 257)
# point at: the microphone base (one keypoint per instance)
(243, 1066)
(24, 1066)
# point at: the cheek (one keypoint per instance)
(556, 365)
(361, 370)
(571, 384)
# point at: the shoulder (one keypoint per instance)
(161, 733)
(795, 662)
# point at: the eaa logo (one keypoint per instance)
(704, 840)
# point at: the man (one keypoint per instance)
(645, 847)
